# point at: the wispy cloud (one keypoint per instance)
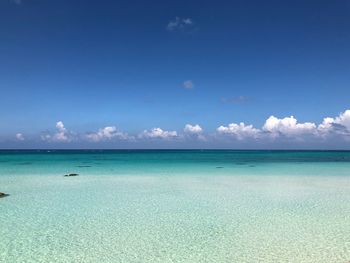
(17, 2)
(188, 84)
(235, 100)
(19, 137)
(180, 24)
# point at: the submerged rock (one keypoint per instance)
(3, 195)
(71, 174)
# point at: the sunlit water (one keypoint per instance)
(175, 206)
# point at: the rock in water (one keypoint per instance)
(3, 195)
(71, 174)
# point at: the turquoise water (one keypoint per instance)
(175, 206)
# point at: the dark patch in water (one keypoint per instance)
(3, 195)
(251, 165)
(66, 175)
(25, 163)
(83, 166)
(219, 167)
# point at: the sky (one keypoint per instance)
(175, 74)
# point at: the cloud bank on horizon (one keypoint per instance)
(289, 128)
(280, 130)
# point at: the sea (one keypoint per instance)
(175, 206)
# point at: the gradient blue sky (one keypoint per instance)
(139, 65)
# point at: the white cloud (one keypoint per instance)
(344, 119)
(62, 134)
(188, 84)
(107, 133)
(193, 129)
(179, 24)
(240, 131)
(288, 126)
(280, 130)
(20, 137)
(194, 132)
(60, 126)
(339, 125)
(158, 133)
(326, 125)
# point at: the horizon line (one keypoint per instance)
(171, 149)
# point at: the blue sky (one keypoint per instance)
(97, 74)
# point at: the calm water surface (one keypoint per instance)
(175, 206)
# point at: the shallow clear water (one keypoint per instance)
(175, 206)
